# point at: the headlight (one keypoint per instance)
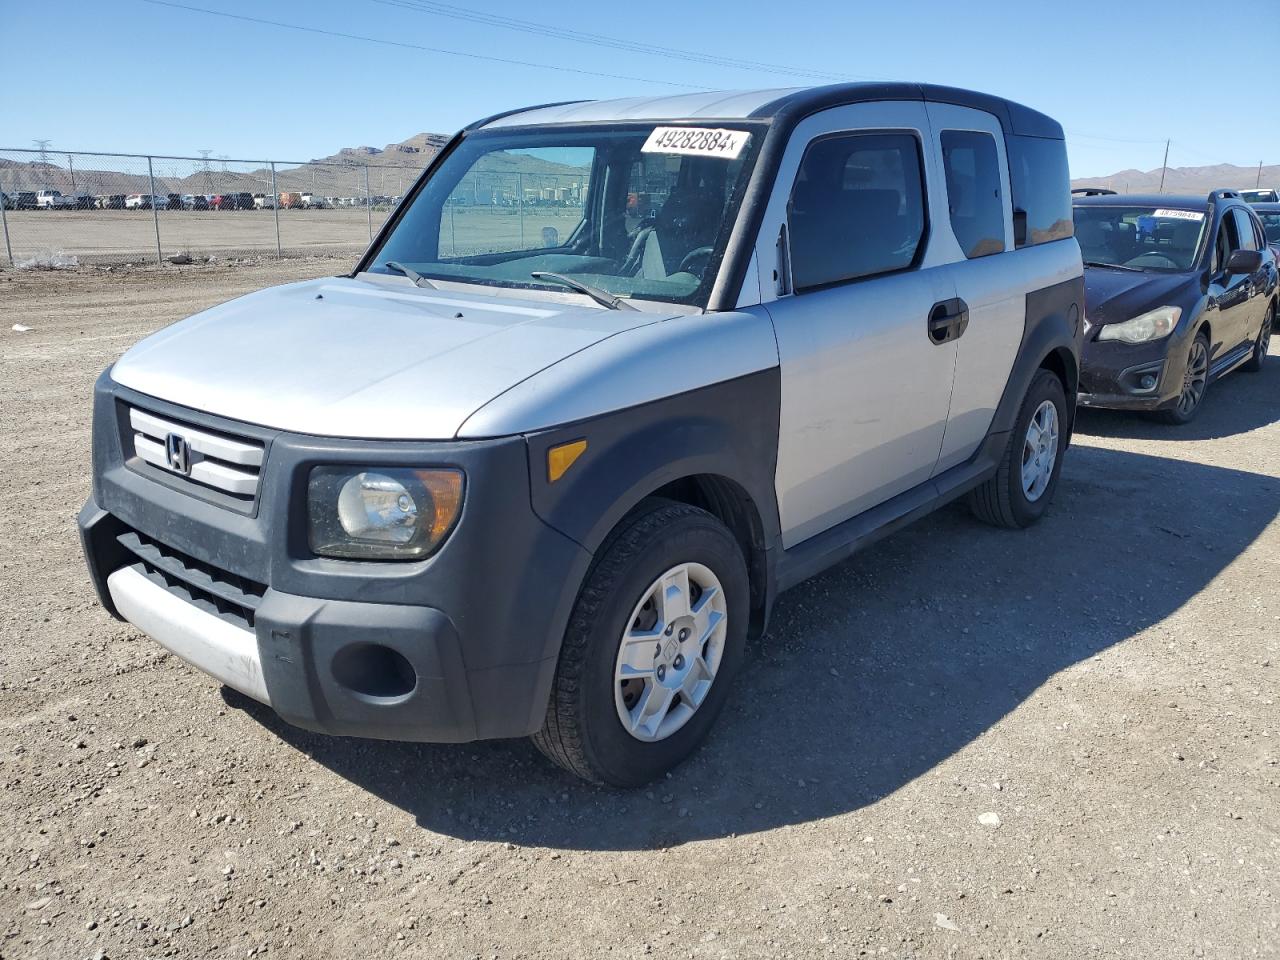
(1150, 326)
(381, 513)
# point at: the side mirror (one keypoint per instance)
(1244, 261)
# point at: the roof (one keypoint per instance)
(772, 103)
(1170, 201)
(1269, 207)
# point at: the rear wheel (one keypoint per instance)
(1024, 483)
(1195, 382)
(1263, 343)
(652, 645)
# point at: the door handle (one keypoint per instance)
(948, 320)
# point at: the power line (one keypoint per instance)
(435, 8)
(414, 46)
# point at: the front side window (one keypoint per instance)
(972, 167)
(637, 210)
(1244, 230)
(856, 209)
(1137, 237)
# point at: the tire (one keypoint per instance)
(1263, 343)
(1005, 500)
(583, 731)
(1186, 409)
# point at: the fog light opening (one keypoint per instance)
(1147, 382)
(372, 670)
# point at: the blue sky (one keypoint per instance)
(134, 76)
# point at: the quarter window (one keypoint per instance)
(972, 167)
(856, 209)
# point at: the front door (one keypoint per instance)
(854, 297)
(1230, 294)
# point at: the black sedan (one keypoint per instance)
(1179, 291)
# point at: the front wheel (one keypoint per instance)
(1024, 483)
(1195, 381)
(1263, 343)
(651, 648)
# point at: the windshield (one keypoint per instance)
(638, 211)
(1140, 238)
(1271, 223)
(1259, 196)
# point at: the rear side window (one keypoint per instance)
(972, 167)
(1041, 190)
(856, 209)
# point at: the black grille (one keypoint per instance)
(224, 594)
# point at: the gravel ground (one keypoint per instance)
(962, 743)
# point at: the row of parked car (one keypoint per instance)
(56, 200)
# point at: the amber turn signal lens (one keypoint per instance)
(445, 487)
(561, 458)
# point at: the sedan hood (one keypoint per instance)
(1114, 296)
(373, 359)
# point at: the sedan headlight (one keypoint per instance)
(1150, 326)
(382, 513)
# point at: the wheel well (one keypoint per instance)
(1060, 363)
(730, 503)
(1206, 329)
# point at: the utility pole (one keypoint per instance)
(1258, 182)
(208, 174)
(1164, 168)
(43, 147)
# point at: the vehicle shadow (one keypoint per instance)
(871, 674)
(1236, 404)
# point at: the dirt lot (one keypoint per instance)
(1104, 684)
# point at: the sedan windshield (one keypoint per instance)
(1140, 238)
(635, 211)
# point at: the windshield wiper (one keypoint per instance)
(412, 274)
(602, 297)
(1113, 266)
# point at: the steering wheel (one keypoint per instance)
(693, 257)
(1169, 263)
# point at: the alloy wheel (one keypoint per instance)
(1195, 378)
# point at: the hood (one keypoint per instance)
(1113, 296)
(373, 359)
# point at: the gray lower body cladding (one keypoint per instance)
(457, 647)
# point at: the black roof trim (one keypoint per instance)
(1014, 117)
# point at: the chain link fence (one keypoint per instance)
(106, 208)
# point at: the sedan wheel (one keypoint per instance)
(1195, 379)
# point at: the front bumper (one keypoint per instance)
(460, 646)
(1114, 375)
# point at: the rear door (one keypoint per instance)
(976, 237)
(851, 282)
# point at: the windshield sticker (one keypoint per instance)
(1179, 215)
(697, 142)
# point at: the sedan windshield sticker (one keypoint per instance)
(1179, 214)
(697, 142)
